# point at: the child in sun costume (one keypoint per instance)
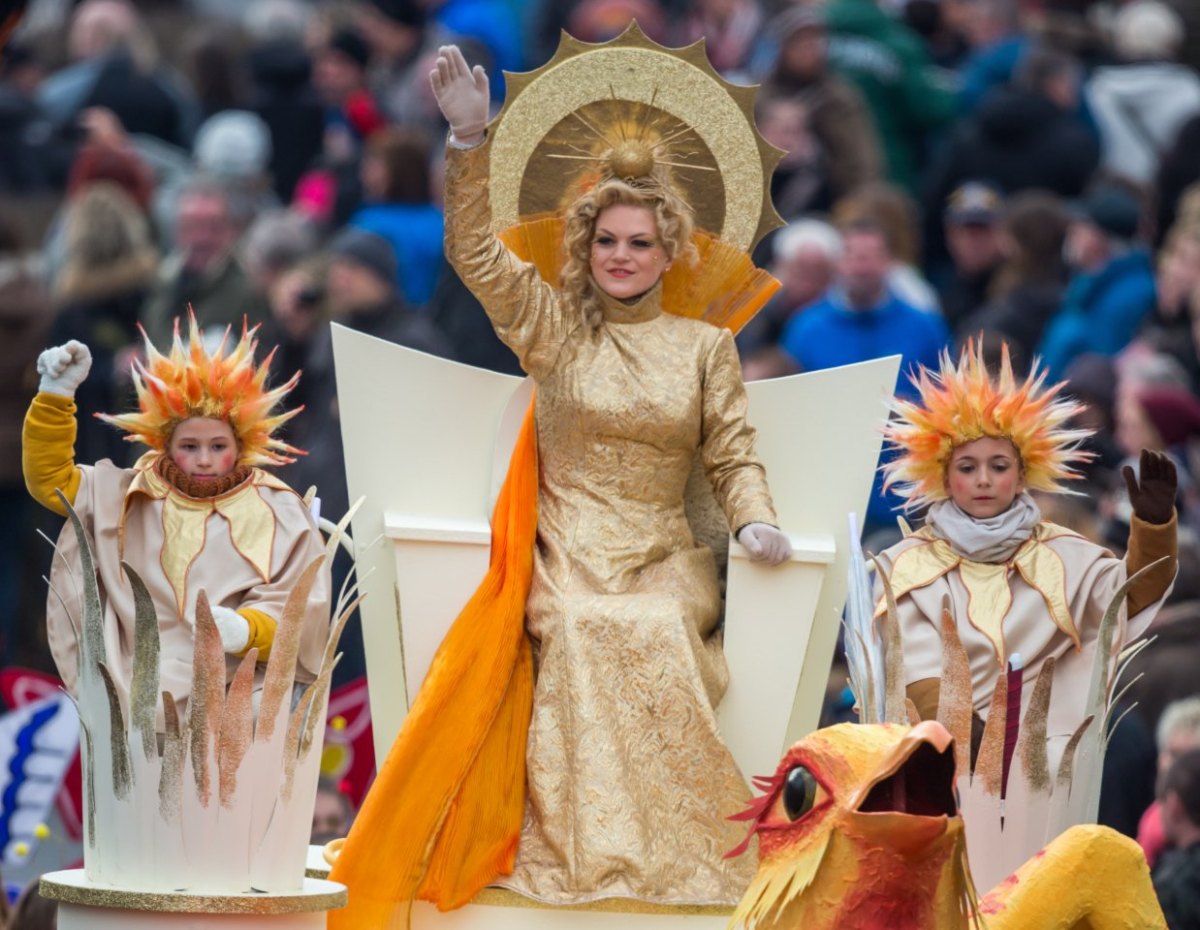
(238, 533)
(627, 783)
(1022, 601)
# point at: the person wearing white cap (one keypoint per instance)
(1140, 102)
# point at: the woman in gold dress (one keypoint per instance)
(628, 783)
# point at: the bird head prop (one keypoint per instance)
(860, 829)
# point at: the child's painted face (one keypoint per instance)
(984, 477)
(203, 447)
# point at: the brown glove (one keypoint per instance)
(1152, 492)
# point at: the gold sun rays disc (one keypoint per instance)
(561, 123)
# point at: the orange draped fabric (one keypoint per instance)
(443, 817)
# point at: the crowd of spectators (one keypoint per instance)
(1019, 171)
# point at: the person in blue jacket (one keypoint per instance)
(1112, 291)
(860, 319)
(399, 207)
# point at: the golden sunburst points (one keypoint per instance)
(591, 99)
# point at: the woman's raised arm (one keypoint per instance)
(527, 313)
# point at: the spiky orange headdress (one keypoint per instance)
(193, 382)
(960, 404)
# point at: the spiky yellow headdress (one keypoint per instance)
(191, 381)
(959, 404)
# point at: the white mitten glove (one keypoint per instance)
(64, 368)
(462, 94)
(765, 543)
(234, 629)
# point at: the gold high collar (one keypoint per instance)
(989, 596)
(646, 308)
(185, 519)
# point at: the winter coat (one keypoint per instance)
(155, 103)
(842, 125)
(905, 93)
(25, 318)
(222, 296)
(989, 68)
(1020, 316)
(283, 96)
(1018, 140)
(830, 334)
(414, 231)
(1101, 311)
(1139, 109)
(1178, 169)
(1177, 883)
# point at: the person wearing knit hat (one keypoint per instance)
(233, 145)
(340, 78)
(1112, 288)
(394, 29)
(367, 250)
(363, 293)
(1162, 418)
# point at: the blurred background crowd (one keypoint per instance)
(1019, 171)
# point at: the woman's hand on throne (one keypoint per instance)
(765, 543)
(462, 94)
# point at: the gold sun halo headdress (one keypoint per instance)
(959, 404)
(191, 381)
(633, 109)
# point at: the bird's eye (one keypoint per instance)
(799, 792)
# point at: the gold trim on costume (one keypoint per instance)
(250, 519)
(988, 588)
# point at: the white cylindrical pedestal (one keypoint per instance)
(86, 906)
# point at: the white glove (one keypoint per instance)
(64, 368)
(234, 629)
(462, 94)
(765, 543)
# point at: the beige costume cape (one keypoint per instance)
(1047, 600)
(245, 548)
(629, 783)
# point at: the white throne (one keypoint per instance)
(427, 444)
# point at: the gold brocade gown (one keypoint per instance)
(629, 783)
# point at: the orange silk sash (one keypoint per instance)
(443, 817)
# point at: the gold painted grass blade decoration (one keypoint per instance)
(237, 728)
(955, 697)
(1031, 745)
(1066, 767)
(335, 538)
(89, 781)
(291, 742)
(281, 667)
(66, 565)
(67, 611)
(1102, 673)
(170, 781)
(320, 687)
(93, 613)
(990, 765)
(335, 634)
(208, 695)
(122, 775)
(894, 709)
(143, 695)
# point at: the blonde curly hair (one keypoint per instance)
(672, 215)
